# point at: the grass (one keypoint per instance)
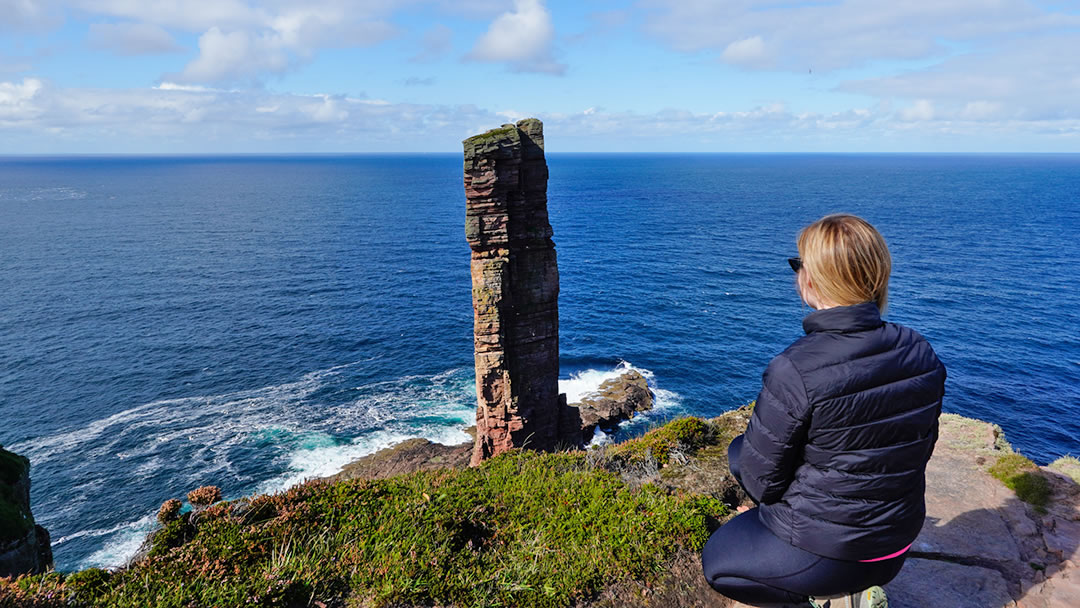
(1022, 476)
(15, 521)
(523, 529)
(683, 435)
(1067, 465)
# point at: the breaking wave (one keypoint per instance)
(261, 440)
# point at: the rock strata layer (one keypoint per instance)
(24, 546)
(515, 291)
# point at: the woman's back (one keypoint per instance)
(842, 432)
(836, 450)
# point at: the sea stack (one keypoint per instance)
(515, 293)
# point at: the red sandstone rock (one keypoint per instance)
(515, 289)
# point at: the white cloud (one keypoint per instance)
(239, 40)
(235, 55)
(17, 101)
(186, 15)
(521, 38)
(173, 86)
(279, 42)
(511, 115)
(923, 109)
(847, 33)
(747, 52)
(27, 15)
(1024, 79)
(36, 116)
(981, 110)
(132, 38)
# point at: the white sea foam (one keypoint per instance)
(587, 382)
(234, 439)
(325, 460)
(91, 533)
(123, 542)
(196, 441)
(61, 193)
(600, 438)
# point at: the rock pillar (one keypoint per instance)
(515, 291)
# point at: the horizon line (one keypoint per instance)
(42, 155)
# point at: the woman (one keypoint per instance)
(836, 450)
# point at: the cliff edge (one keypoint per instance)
(24, 546)
(617, 526)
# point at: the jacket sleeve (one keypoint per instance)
(941, 399)
(774, 439)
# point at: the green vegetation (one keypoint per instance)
(15, 521)
(523, 529)
(471, 144)
(1067, 465)
(1022, 476)
(684, 435)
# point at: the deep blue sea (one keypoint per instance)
(251, 321)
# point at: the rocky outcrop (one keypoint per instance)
(615, 400)
(981, 545)
(515, 291)
(405, 457)
(24, 546)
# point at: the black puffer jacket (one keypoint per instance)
(837, 446)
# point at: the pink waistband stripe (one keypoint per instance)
(889, 556)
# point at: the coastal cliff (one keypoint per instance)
(620, 525)
(24, 546)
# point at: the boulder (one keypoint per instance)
(615, 400)
(24, 546)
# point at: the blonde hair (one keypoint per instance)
(846, 260)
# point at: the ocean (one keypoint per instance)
(249, 322)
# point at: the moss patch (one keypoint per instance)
(685, 435)
(1022, 476)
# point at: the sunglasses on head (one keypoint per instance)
(795, 263)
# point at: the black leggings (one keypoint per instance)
(746, 562)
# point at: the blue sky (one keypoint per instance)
(222, 76)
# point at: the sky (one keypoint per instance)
(392, 76)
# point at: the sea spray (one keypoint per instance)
(260, 441)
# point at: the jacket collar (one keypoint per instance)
(844, 319)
